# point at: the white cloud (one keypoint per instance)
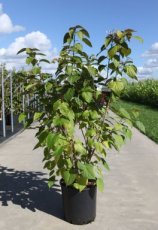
(6, 25)
(152, 52)
(34, 39)
(144, 71)
(150, 66)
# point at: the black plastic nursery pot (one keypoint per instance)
(79, 207)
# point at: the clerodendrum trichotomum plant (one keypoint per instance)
(70, 102)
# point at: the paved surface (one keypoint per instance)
(129, 201)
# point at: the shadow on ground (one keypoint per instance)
(29, 190)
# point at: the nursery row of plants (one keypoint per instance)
(20, 101)
(147, 115)
(143, 92)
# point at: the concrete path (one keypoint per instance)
(129, 201)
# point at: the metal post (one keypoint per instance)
(3, 104)
(11, 103)
(23, 102)
(28, 104)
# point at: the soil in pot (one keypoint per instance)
(79, 207)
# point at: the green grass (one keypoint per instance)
(147, 115)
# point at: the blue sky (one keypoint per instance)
(43, 24)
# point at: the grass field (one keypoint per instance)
(148, 116)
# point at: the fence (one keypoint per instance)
(7, 116)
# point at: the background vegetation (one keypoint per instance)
(142, 92)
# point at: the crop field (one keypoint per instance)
(143, 92)
(142, 96)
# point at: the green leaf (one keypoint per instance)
(125, 51)
(87, 42)
(100, 184)
(118, 140)
(78, 46)
(37, 116)
(43, 135)
(29, 60)
(138, 38)
(94, 115)
(73, 78)
(92, 70)
(68, 177)
(22, 117)
(128, 134)
(87, 170)
(101, 58)
(36, 70)
(70, 128)
(99, 147)
(85, 32)
(51, 182)
(79, 187)
(113, 50)
(124, 113)
(116, 86)
(66, 38)
(21, 51)
(80, 34)
(106, 166)
(140, 126)
(69, 69)
(44, 60)
(107, 42)
(79, 148)
(31, 86)
(50, 165)
(51, 139)
(87, 95)
(48, 86)
(56, 105)
(58, 151)
(131, 71)
(81, 184)
(69, 94)
(90, 133)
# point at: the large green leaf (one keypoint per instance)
(138, 38)
(58, 151)
(118, 140)
(81, 183)
(113, 50)
(100, 184)
(51, 139)
(80, 34)
(48, 86)
(51, 181)
(87, 94)
(140, 126)
(87, 170)
(124, 113)
(131, 71)
(87, 42)
(22, 117)
(73, 78)
(69, 94)
(116, 86)
(37, 115)
(70, 128)
(79, 148)
(99, 147)
(68, 177)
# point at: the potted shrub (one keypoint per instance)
(68, 102)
